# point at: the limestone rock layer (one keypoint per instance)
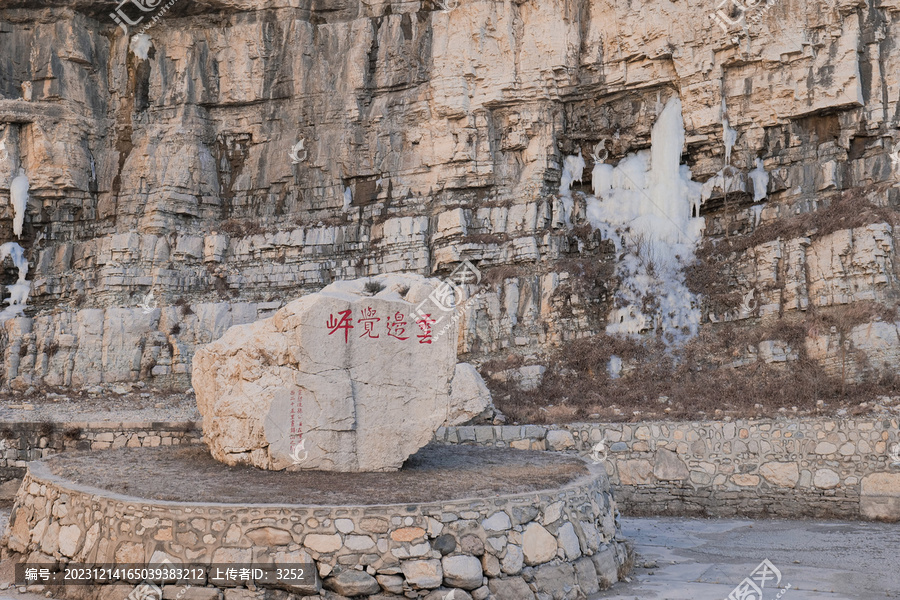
(431, 132)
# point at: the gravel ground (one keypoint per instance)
(435, 473)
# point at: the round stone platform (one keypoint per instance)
(507, 524)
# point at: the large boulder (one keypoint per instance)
(341, 380)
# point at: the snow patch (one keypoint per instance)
(614, 367)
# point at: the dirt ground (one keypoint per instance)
(435, 473)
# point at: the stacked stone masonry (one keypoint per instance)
(25, 441)
(787, 468)
(558, 545)
(818, 467)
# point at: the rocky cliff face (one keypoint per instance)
(433, 132)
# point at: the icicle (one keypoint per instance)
(19, 290)
(729, 135)
(760, 179)
(573, 170)
(756, 211)
(18, 194)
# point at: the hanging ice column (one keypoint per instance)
(18, 194)
(649, 206)
(18, 292)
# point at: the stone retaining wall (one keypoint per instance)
(547, 545)
(821, 467)
(25, 441)
(816, 467)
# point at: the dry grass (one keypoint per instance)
(849, 211)
(240, 228)
(709, 276)
(696, 382)
(485, 238)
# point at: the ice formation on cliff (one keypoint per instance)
(18, 195)
(19, 290)
(140, 45)
(760, 179)
(648, 205)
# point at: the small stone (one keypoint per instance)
(826, 479)
(481, 593)
(552, 513)
(496, 544)
(669, 467)
(358, 542)
(499, 521)
(539, 545)
(423, 574)
(445, 544)
(825, 448)
(353, 583)
(344, 525)
(513, 588)
(462, 571)
(560, 439)
(390, 583)
(323, 544)
(782, 474)
(513, 560)
(471, 544)
(490, 564)
(568, 540)
(407, 534)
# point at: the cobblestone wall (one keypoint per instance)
(559, 543)
(22, 442)
(789, 468)
(817, 467)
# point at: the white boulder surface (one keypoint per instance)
(344, 379)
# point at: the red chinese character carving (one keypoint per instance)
(369, 319)
(425, 324)
(344, 323)
(397, 328)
